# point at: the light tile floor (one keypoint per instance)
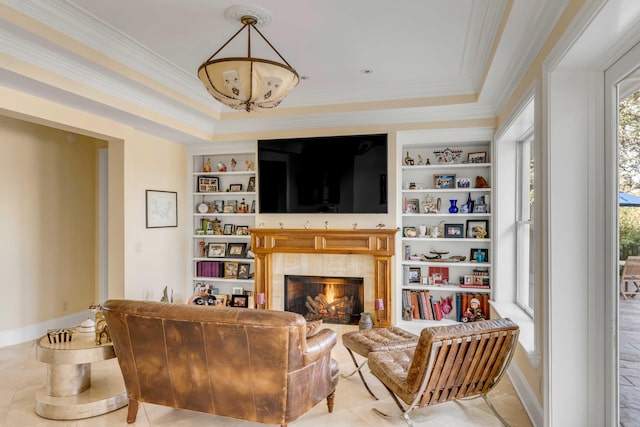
(21, 375)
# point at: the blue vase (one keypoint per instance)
(453, 208)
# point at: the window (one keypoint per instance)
(525, 179)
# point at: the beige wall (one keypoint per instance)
(48, 258)
(48, 228)
(155, 257)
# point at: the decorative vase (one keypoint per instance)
(408, 160)
(366, 322)
(454, 207)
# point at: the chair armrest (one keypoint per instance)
(318, 345)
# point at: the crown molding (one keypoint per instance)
(543, 22)
(388, 117)
(87, 29)
(75, 70)
(479, 44)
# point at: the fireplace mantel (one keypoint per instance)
(379, 243)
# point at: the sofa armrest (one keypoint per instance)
(318, 345)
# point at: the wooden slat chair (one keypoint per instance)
(630, 276)
(449, 363)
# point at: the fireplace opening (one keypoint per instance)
(332, 299)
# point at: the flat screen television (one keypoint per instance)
(337, 174)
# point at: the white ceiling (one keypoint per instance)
(430, 59)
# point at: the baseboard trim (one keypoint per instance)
(526, 395)
(31, 332)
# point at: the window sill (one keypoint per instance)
(526, 324)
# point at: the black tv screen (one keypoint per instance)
(338, 174)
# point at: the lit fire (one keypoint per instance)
(330, 293)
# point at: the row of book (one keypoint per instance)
(210, 269)
(463, 306)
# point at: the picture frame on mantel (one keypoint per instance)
(161, 209)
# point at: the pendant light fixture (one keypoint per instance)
(248, 83)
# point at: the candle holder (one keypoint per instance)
(379, 306)
(260, 300)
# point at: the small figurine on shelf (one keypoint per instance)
(479, 232)
(221, 167)
(249, 165)
(446, 305)
(233, 164)
(207, 166)
(242, 207)
(420, 160)
(473, 313)
(481, 182)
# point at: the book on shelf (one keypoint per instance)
(476, 286)
(423, 305)
(437, 310)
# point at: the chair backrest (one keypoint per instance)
(631, 267)
(462, 360)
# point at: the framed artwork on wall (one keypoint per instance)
(161, 209)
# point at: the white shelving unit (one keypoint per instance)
(215, 190)
(419, 182)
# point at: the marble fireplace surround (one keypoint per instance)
(362, 253)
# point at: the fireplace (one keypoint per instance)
(330, 299)
(363, 253)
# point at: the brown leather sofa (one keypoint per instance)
(255, 365)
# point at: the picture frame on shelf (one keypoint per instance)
(218, 206)
(221, 300)
(479, 255)
(480, 209)
(411, 206)
(251, 185)
(415, 275)
(409, 232)
(161, 209)
(453, 231)
(228, 209)
(447, 155)
(477, 157)
(478, 228)
(253, 206)
(444, 181)
(237, 290)
(438, 275)
(242, 230)
(216, 250)
(230, 270)
(208, 184)
(234, 188)
(240, 301)
(236, 249)
(227, 229)
(243, 271)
